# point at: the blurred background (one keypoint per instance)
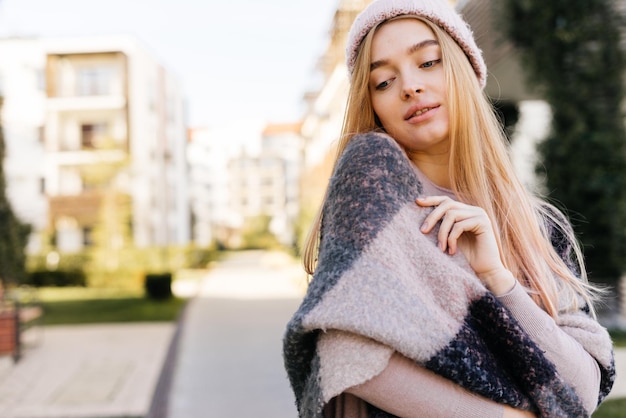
(158, 155)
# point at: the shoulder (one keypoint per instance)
(369, 141)
(373, 166)
(373, 151)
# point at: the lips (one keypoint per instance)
(418, 110)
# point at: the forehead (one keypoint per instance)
(398, 35)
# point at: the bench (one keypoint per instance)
(20, 310)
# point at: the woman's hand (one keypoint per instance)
(468, 229)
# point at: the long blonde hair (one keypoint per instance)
(482, 175)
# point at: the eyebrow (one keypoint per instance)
(411, 50)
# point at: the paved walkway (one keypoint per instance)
(227, 362)
(86, 371)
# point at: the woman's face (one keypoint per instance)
(407, 86)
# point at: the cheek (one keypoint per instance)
(383, 109)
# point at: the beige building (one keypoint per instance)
(326, 108)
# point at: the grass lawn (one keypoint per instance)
(75, 305)
(614, 408)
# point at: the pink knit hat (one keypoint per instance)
(438, 11)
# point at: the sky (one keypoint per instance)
(235, 59)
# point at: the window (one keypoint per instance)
(171, 110)
(41, 134)
(40, 75)
(151, 92)
(87, 236)
(94, 81)
(91, 134)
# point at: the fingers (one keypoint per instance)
(468, 229)
(455, 233)
(441, 204)
(456, 218)
(431, 200)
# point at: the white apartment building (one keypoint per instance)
(242, 171)
(22, 85)
(86, 119)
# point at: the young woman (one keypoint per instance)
(441, 287)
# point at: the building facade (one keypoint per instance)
(240, 172)
(94, 125)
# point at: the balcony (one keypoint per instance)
(86, 81)
(86, 103)
(104, 138)
(84, 208)
(87, 157)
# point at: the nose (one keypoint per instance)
(411, 89)
(412, 81)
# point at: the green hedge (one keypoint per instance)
(129, 271)
(59, 278)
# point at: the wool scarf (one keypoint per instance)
(379, 277)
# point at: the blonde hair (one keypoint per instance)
(482, 175)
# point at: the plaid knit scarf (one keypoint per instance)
(379, 277)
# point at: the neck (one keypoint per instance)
(437, 170)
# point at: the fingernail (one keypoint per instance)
(424, 227)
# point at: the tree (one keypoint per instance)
(111, 243)
(257, 233)
(571, 50)
(13, 233)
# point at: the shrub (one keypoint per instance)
(58, 278)
(159, 286)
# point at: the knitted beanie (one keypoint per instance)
(439, 12)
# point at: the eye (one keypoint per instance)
(430, 64)
(383, 85)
